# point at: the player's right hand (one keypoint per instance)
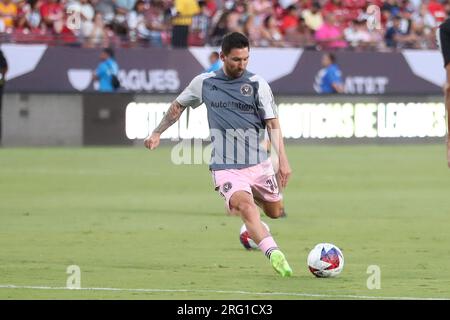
(152, 141)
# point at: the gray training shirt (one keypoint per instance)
(237, 110)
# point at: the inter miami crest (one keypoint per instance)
(227, 186)
(246, 90)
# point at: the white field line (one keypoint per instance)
(288, 294)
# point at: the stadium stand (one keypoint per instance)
(329, 24)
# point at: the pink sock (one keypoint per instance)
(267, 245)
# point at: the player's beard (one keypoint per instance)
(237, 73)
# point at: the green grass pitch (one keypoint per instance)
(130, 219)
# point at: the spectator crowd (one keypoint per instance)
(312, 24)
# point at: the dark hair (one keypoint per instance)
(266, 21)
(291, 8)
(139, 2)
(109, 52)
(234, 40)
(331, 56)
(215, 54)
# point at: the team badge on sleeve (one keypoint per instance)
(227, 186)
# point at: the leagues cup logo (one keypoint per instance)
(246, 90)
(80, 79)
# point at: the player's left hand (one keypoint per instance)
(284, 172)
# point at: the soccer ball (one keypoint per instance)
(245, 239)
(325, 260)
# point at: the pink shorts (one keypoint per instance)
(258, 180)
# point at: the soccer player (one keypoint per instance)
(240, 108)
(443, 38)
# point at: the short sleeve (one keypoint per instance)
(335, 76)
(100, 72)
(192, 95)
(267, 105)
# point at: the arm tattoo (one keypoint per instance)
(171, 116)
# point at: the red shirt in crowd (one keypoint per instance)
(437, 10)
(50, 8)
